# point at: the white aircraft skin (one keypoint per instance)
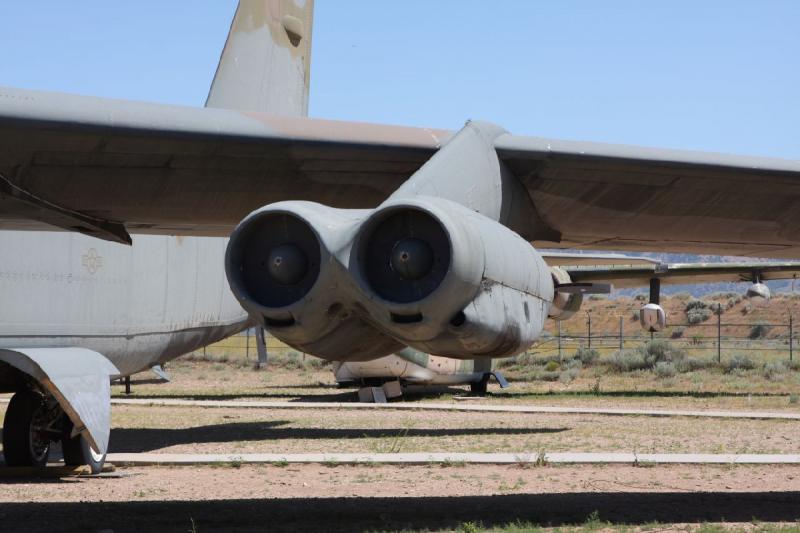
(138, 305)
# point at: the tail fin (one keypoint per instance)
(265, 65)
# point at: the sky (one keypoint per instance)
(712, 75)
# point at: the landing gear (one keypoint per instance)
(78, 451)
(480, 387)
(32, 422)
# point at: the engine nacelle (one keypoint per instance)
(446, 280)
(652, 317)
(282, 266)
(758, 293)
(564, 305)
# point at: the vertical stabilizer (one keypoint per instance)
(265, 65)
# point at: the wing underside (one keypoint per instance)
(109, 168)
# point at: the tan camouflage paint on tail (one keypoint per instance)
(265, 65)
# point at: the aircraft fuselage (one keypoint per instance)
(138, 305)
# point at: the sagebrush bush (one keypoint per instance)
(677, 332)
(690, 364)
(659, 350)
(775, 371)
(549, 376)
(695, 304)
(698, 315)
(665, 369)
(628, 361)
(586, 355)
(569, 375)
(739, 362)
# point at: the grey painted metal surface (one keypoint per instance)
(266, 62)
(137, 305)
(519, 458)
(168, 161)
(631, 275)
(484, 291)
(79, 379)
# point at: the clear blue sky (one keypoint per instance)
(712, 75)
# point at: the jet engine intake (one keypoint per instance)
(282, 265)
(448, 281)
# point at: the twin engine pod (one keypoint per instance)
(357, 285)
(281, 265)
(448, 281)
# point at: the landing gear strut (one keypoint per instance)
(32, 423)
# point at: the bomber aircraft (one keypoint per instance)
(126, 239)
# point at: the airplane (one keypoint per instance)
(412, 368)
(127, 240)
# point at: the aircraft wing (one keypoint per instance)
(109, 168)
(638, 275)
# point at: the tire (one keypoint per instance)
(77, 450)
(22, 444)
(480, 387)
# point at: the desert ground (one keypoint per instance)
(451, 497)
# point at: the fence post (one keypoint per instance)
(620, 333)
(247, 344)
(558, 332)
(791, 338)
(719, 333)
(589, 323)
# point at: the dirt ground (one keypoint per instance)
(356, 498)
(448, 498)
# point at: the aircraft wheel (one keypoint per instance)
(480, 387)
(27, 430)
(78, 451)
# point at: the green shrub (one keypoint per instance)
(641, 297)
(698, 315)
(695, 304)
(759, 331)
(665, 369)
(739, 362)
(551, 366)
(586, 355)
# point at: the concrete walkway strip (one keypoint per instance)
(453, 459)
(495, 408)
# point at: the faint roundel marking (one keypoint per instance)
(92, 261)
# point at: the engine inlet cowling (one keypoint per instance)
(405, 256)
(273, 260)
